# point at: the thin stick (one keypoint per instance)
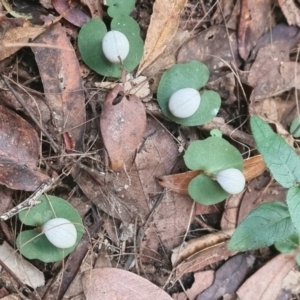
(20, 100)
(29, 202)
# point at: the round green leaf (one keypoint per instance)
(212, 155)
(193, 74)
(130, 28)
(295, 128)
(206, 191)
(90, 45)
(32, 244)
(119, 7)
(216, 133)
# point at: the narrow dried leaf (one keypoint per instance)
(253, 167)
(290, 11)
(111, 283)
(21, 268)
(204, 258)
(60, 73)
(122, 126)
(19, 151)
(163, 26)
(196, 245)
(178, 183)
(254, 21)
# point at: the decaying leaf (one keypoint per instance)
(113, 283)
(21, 268)
(163, 26)
(291, 11)
(60, 73)
(203, 258)
(122, 126)
(203, 280)
(19, 152)
(266, 75)
(212, 47)
(71, 11)
(254, 22)
(15, 36)
(268, 279)
(195, 245)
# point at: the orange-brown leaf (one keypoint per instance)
(253, 167)
(162, 28)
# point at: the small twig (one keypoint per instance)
(20, 100)
(29, 202)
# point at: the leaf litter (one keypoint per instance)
(144, 220)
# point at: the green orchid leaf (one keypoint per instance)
(213, 155)
(206, 191)
(90, 45)
(32, 243)
(194, 75)
(119, 7)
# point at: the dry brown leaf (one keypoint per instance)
(18, 36)
(253, 167)
(169, 223)
(111, 283)
(291, 11)
(72, 11)
(193, 246)
(277, 109)
(21, 268)
(272, 72)
(268, 279)
(202, 281)
(203, 258)
(212, 47)
(254, 22)
(5, 199)
(163, 26)
(19, 152)
(231, 211)
(122, 127)
(178, 183)
(60, 73)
